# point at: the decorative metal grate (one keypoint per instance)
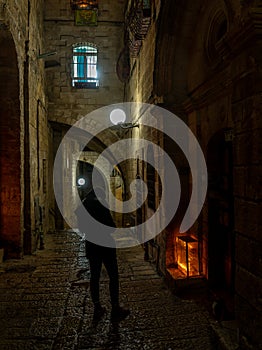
(138, 23)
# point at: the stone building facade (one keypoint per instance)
(67, 104)
(24, 146)
(200, 60)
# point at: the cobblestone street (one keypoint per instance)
(45, 304)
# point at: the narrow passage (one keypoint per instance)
(45, 304)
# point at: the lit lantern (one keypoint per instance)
(187, 255)
(86, 12)
(84, 4)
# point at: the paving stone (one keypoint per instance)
(46, 327)
(45, 304)
(65, 343)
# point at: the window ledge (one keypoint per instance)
(86, 85)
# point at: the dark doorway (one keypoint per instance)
(85, 171)
(221, 240)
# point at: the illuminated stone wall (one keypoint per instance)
(67, 104)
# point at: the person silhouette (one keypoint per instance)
(102, 254)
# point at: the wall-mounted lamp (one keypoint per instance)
(128, 125)
(118, 117)
(49, 63)
(84, 4)
(46, 54)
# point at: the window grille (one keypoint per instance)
(84, 66)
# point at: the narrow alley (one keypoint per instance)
(45, 304)
(157, 103)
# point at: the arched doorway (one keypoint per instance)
(10, 155)
(221, 240)
(85, 171)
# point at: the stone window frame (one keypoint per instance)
(89, 63)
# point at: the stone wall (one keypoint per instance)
(205, 66)
(230, 99)
(25, 28)
(140, 88)
(66, 103)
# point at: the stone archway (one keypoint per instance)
(10, 159)
(85, 170)
(221, 241)
(87, 154)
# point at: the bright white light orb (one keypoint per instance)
(81, 181)
(117, 116)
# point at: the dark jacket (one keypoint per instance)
(97, 210)
(101, 214)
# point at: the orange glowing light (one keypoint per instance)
(84, 4)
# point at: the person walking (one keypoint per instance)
(99, 254)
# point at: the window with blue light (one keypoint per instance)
(84, 66)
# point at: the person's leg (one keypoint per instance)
(110, 261)
(95, 262)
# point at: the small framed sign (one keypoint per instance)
(86, 17)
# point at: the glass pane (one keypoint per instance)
(181, 255)
(80, 66)
(75, 66)
(193, 258)
(187, 255)
(91, 66)
(85, 49)
(85, 65)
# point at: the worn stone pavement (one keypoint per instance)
(45, 304)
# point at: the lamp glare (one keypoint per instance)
(117, 116)
(81, 181)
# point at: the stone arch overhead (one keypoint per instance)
(98, 143)
(180, 61)
(100, 172)
(90, 126)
